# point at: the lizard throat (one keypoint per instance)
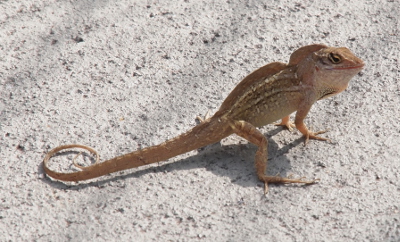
(327, 93)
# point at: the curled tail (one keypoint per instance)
(208, 132)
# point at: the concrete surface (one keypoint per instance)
(122, 75)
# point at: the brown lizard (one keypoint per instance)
(270, 93)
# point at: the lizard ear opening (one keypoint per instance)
(303, 52)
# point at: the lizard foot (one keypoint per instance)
(202, 120)
(285, 180)
(289, 125)
(314, 135)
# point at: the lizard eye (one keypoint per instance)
(334, 58)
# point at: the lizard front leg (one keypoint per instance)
(299, 122)
(253, 135)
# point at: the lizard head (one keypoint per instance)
(334, 67)
(327, 69)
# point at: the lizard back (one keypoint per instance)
(264, 96)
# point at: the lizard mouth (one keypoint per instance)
(348, 67)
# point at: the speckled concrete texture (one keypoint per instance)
(123, 75)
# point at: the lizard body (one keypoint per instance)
(272, 92)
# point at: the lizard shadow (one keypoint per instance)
(235, 161)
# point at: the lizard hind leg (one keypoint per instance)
(253, 135)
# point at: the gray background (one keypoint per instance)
(125, 75)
